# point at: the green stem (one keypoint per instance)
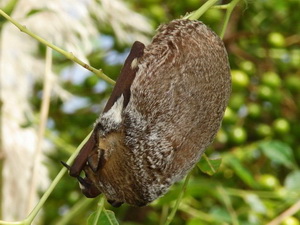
(198, 13)
(99, 211)
(228, 204)
(208, 162)
(37, 208)
(68, 55)
(230, 8)
(174, 210)
(220, 6)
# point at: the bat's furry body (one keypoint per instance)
(176, 104)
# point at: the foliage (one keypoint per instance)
(258, 178)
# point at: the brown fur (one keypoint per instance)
(177, 101)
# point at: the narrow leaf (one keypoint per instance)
(292, 181)
(209, 166)
(107, 217)
(241, 171)
(279, 152)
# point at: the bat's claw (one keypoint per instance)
(65, 165)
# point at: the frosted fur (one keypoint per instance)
(114, 114)
(177, 102)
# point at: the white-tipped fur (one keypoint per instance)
(115, 112)
(134, 63)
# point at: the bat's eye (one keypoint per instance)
(96, 159)
(99, 127)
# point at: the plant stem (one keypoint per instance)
(47, 86)
(68, 55)
(220, 6)
(208, 162)
(226, 199)
(37, 208)
(198, 13)
(99, 211)
(174, 210)
(289, 212)
(230, 8)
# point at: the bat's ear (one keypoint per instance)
(126, 76)
(96, 160)
(81, 159)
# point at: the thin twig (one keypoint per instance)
(68, 55)
(198, 13)
(180, 196)
(45, 196)
(47, 86)
(99, 211)
(229, 10)
(209, 163)
(228, 205)
(289, 212)
(220, 6)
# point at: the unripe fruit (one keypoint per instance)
(276, 39)
(265, 92)
(263, 130)
(290, 221)
(281, 126)
(268, 181)
(254, 110)
(292, 82)
(271, 79)
(238, 135)
(240, 79)
(248, 67)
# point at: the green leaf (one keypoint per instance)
(209, 166)
(220, 213)
(279, 152)
(241, 171)
(292, 181)
(196, 221)
(35, 11)
(106, 217)
(255, 203)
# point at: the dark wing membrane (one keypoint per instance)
(122, 86)
(126, 77)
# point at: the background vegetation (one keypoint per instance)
(258, 181)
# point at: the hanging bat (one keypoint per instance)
(165, 109)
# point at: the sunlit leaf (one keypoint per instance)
(279, 152)
(255, 203)
(209, 166)
(220, 214)
(106, 217)
(292, 181)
